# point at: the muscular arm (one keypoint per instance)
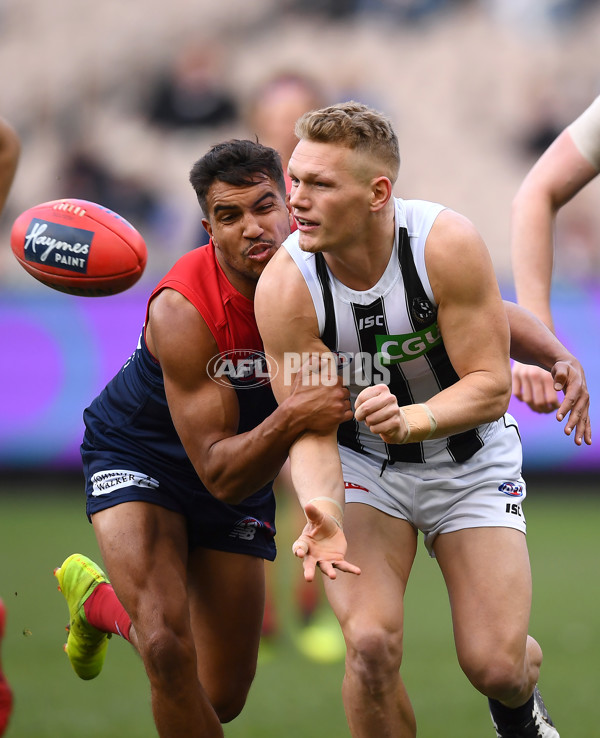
(288, 326)
(206, 414)
(474, 328)
(559, 174)
(532, 342)
(10, 149)
(473, 325)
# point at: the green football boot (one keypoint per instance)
(86, 646)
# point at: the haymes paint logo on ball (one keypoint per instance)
(58, 245)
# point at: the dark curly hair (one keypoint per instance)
(236, 162)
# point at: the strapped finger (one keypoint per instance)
(300, 548)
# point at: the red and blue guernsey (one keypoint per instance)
(131, 450)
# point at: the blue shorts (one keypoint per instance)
(247, 528)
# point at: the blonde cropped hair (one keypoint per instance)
(357, 127)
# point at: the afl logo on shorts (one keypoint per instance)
(511, 489)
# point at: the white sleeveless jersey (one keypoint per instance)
(389, 334)
(585, 132)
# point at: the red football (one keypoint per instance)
(79, 247)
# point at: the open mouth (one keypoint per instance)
(260, 251)
(305, 224)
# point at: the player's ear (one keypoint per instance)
(381, 191)
(207, 226)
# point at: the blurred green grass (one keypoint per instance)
(292, 697)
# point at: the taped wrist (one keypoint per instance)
(420, 421)
(331, 507)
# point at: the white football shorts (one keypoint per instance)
(487, 490)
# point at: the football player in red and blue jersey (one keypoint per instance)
(179, 454)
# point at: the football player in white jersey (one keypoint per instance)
(563, 170)
(410, 286)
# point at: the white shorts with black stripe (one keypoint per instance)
(487, 490)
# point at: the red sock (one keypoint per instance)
(104, 611)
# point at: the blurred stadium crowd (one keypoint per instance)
(114, 101)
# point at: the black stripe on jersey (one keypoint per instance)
(422, 313)
(370, 321)
(348, 431)
(329, 335)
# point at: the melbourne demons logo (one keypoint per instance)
(512, 489)
(242, 368)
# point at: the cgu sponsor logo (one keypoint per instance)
(408, 346)
(58, 245)
(242, 368)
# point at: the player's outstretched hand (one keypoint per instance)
(322, 543)
(569, 377)
(535, 387)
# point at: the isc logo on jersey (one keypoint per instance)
(243, 368)
(408, 346)
(370, 321)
